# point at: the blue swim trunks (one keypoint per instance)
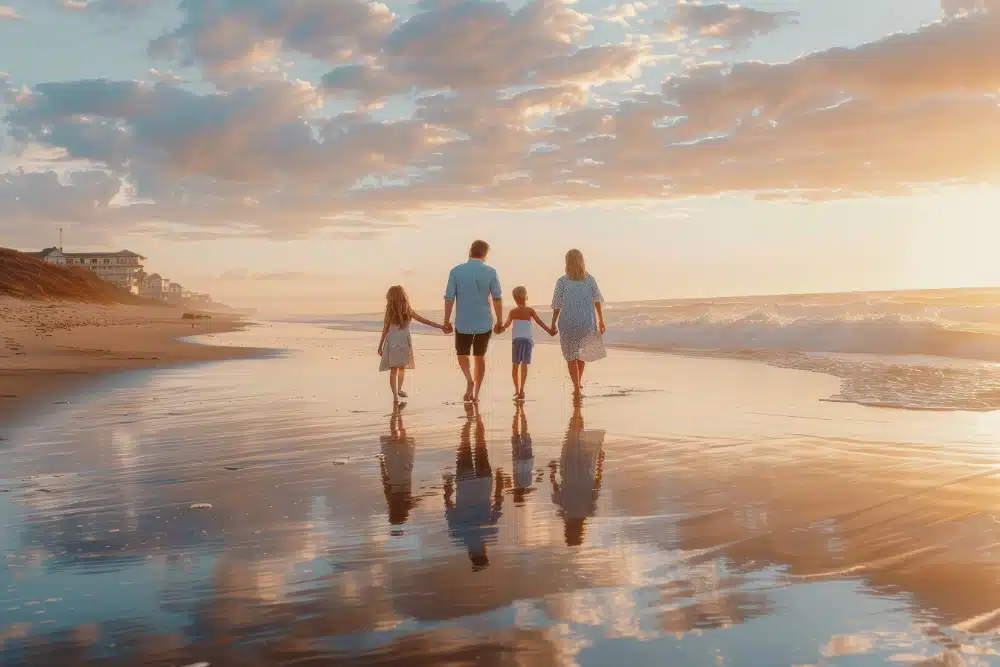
(521, 350)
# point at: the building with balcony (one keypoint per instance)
(123, 268)
(154, 287)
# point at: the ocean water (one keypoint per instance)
(918, 350)
(693, 512)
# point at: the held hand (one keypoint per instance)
(447, 328)
(554, 331)
(498, 329)
(380, 352)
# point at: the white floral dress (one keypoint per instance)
(397, 351)
(578, 335)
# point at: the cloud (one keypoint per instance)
(165, 77)
(734, 24)
(8, 13)
(502, 112)
(482, 46)
(956, 7)
(228, 36)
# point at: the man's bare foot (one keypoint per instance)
(468, 393)
(520, 395)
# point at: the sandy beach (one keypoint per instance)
(693, 511)
(49, 348)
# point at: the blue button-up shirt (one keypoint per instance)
(473, 284)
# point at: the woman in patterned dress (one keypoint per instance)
(578, 317)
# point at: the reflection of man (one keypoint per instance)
(522, 454)
(473, 514)
(474, 285)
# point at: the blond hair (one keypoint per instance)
(576, 269)
(520, 294)
(397, 307)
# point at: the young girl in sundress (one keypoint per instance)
(395, 346)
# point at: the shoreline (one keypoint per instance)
(51, 349)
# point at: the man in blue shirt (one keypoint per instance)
(473, 285)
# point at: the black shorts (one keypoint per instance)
(475, 343)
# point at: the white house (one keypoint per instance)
(123, 268)
(50, 255)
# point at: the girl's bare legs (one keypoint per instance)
(513, 376)
(574, 375)
(399, 383)
(524, 378)
(393, 372)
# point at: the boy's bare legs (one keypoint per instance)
(463, 363)
(480, 374)
(524, 378)
(513, 376)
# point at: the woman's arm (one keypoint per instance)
(385, 332)
(598, 301)
(538, 321)
(428, 322)
(557, 301)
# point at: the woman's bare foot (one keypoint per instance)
(403, 394)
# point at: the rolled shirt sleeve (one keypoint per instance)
(451, 291)
(495, 291)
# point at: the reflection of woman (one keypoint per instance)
(475, 510)
(522, 454)
(578, 316)
(397, 470)
(580, 467)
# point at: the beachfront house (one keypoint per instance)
(175, 293)
(50, 255)
(123, 268)
(154, 287)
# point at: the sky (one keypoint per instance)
(301, 156)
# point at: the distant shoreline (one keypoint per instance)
(50, 348)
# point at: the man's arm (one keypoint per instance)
(498, 309)
(446, 325)
(497, 303)
(450, 292)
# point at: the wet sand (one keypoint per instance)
(49, 348)
(691, 512)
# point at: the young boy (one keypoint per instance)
(521, 317)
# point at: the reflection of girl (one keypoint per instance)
(580, 468)
(397, 470)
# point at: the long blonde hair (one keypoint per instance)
(397, 307)
(576, 269)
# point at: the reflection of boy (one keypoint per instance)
(472, 517)
(522, 454)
